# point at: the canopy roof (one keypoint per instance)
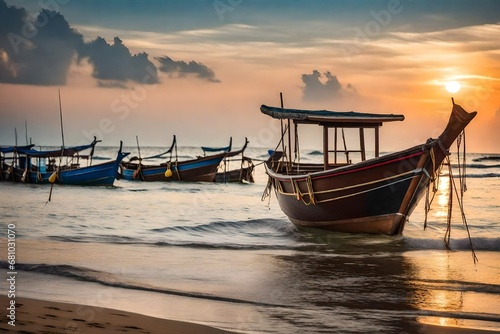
(329, 117)
(10, 149)
(66, 152)
(219, 149)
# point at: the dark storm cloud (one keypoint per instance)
(40, 50)
(115, 62)
(35, 51)
(315, 89)
(181, 68)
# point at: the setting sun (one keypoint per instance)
(453, 86)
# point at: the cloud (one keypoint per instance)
(181, 68)
(111, 84)
(35, 51)
(40, 50)
(115, 62)
(315, 89)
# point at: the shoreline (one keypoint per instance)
(41, 316)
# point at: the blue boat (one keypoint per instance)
(201, 169)
(6, 169)
(36, 166)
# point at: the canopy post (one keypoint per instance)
(377, 142)
(362, 143)
(325, 146)
(336, 145)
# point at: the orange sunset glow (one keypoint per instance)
(217, 63)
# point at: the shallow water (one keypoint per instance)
(216, 254)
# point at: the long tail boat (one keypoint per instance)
(201, 169)
(375, 195)
(6, 170)
(37, 166)
(242, 174)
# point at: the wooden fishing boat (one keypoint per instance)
(201, 169)
(8, 155)
(242, 174)
(375, 195)
(36, 166)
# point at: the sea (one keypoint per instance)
(216, 254)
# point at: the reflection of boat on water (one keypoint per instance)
(194, 170)
(242, 174)
(372, 196)
(37, 166)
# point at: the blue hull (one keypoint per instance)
(201, 169)
(97, 175)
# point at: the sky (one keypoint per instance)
(201, 69)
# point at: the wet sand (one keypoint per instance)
(37, 316)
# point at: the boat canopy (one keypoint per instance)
(218, 149)
(66, 152)
(11, 149)
(331, 118)
(334, 120)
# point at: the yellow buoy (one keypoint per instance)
(168, 173)
(53, 177)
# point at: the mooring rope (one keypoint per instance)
(453, 190)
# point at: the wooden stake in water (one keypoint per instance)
(61, 117)
(52, 179)
(26, 130)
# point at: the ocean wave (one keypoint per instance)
(227, 226)
(487, 158)
(255, 234)
(484, 244)
(111, 239)
(474, 176)
(477, 166)
(481, 176)
(109, 279)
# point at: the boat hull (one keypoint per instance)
(103, 174)
(359, 199)
(238, 175)
(373, 196)
(197, 170)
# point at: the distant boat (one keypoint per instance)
(201, 169)
(6, 170)
(242, 174)
(372, 196)
(37, 166)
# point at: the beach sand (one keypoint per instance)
(38, 316)
(48, 317)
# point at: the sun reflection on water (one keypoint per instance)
(447, 285)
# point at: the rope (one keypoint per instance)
(435, 184)
(177, 166)
(462, 165)
(310, 190)
(138, 172)
(447, 234)
(412, 172)
(267, 191)
(435, 179)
